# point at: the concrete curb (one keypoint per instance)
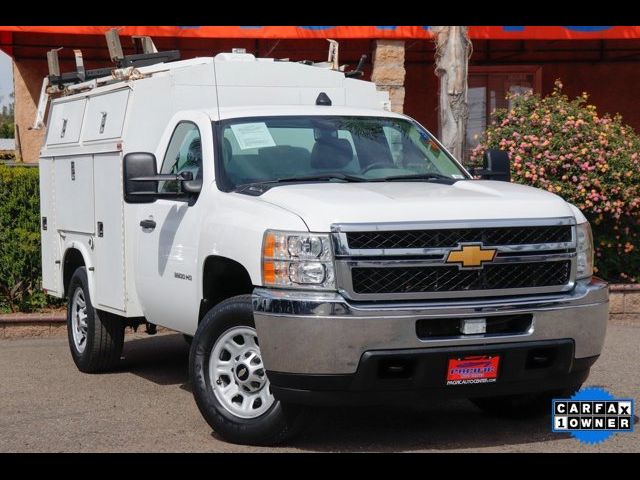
(18, 317)
(19, 325)
(22, 325)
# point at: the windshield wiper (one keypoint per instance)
(307, 178)
(323, 176)
(256, 188)
(416, 176)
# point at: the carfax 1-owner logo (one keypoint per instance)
(592, 415)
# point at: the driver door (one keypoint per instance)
(167, 277)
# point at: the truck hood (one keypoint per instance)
(322, 204)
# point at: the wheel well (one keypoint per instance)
(222, 278)
(72, 260)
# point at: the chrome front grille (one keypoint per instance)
(453, 237)
(409, 261)
(447, 279)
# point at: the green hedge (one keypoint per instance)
(20, 272)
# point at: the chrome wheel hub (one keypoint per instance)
(79, 326)
(237, 375)
(249, 372)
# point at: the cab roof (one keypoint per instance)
(224, 113)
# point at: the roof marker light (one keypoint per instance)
(323, 99)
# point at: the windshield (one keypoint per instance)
(323, 148)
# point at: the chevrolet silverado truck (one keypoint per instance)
(314, 247)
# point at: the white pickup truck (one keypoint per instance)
(314, 247)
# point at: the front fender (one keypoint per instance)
(235, 226)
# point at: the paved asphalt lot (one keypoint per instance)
(47, 405)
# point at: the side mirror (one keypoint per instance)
(137, 166)
(496, 166)
(141, 180)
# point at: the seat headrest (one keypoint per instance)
(195, 151)
(331, 153)
(283, 160)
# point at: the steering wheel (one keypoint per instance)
(378, 165)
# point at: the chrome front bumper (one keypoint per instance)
(322, 333)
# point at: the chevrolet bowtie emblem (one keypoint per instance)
(470, 256)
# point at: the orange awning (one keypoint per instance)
(338, 32)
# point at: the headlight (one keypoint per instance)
(584, 257)
(297, 260)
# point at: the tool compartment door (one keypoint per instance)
(105, 116)
(48, 232)
(109, 239)
(74, 193)
(66, 122)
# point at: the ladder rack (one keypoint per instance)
(148, 56)
(145, 62)
(126, 68)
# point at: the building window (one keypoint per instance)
(488, 89)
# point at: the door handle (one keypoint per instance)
(151, 224)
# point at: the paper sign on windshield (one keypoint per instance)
(253, 135)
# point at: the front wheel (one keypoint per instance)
(229, 380)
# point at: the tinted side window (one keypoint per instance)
(184, 154)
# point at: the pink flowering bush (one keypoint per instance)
(592, 161)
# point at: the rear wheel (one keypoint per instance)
(522, 406)
(95, 338)
(229, 380)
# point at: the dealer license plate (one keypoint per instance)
(473, 369)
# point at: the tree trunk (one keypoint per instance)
(453, 50)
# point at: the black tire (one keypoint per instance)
(105, 331)
(187, 338)
(522, 406)
(278, 423)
